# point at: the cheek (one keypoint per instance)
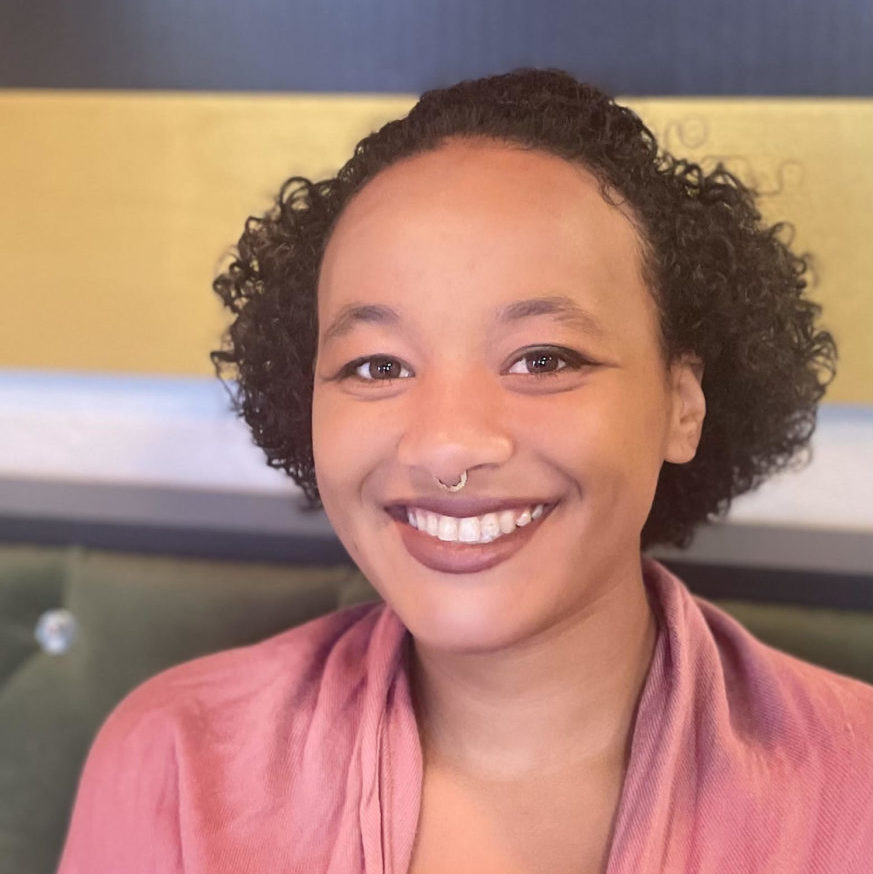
(608, 439)
(634, 444)
(349, 440)
(331, 443)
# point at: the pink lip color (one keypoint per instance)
(464, 558)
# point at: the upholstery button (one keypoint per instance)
(56, 631)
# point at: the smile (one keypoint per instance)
(467, 544)
(472, 529)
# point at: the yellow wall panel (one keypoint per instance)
(117, 208)
(811, 162)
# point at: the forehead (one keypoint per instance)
(471, 175)
(480, 224)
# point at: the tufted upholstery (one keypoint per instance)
(136, 615)
(139, 614)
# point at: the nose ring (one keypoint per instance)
(456, 487)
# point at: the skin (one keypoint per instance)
(532, 667)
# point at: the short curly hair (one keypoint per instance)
(727, 287)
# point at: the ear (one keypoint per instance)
(688, 409)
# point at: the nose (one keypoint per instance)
(454, 425)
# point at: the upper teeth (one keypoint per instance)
(472, 529)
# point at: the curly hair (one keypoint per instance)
(727, 287)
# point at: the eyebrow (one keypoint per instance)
(561, 308)
(353, 314)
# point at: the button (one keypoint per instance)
(55, 631)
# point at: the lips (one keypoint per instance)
(464, 558)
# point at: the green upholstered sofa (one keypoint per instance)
(136, 614)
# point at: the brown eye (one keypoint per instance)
(380, 369)
(545, 363)
(539, 362)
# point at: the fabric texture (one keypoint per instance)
(301, 753)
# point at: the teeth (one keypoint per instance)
(468, 530)
(421, 520)
(433, 524)
(506, 520)
(448, 528)
(489, 528)
(472, 529)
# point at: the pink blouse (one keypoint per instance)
(301, 754)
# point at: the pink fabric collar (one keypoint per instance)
(301, 753)
(742, 758)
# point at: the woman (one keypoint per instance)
(506, 347)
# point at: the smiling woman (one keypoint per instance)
(455, 253)
(509, 346)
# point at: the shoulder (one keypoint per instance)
(771, 695)
(807, 701)
(764, 670)
(810, 730)
(290, 664)
(177, 739)
(776, 754)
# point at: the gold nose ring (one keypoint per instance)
(456, 487)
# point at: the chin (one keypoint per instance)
(466, 620)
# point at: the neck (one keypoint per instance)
(562, 700)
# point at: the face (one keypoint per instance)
(481, 308)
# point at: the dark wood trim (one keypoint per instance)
(808, 588)
(717, 581)
(173, 540)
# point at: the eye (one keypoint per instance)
(547, 361)
(378, 368)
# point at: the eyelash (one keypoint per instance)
(572, 361)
